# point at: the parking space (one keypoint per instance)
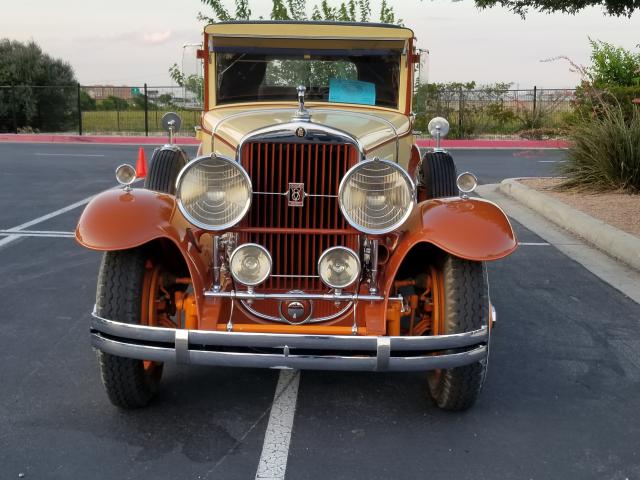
(560, 400)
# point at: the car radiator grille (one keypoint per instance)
(296, 236)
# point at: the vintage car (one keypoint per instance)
(308, 232)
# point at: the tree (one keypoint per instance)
(345, 11)
(113, 103)
(617, 8)
(611, 65)
(86, 102)
(26, 69)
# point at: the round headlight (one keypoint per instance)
(467, 182)
(125, 175)
(213, 192)
(376, 196)
(250, 264)
(338, 267)
(438, 125)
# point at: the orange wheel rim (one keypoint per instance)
(148, 309)
(437, 297)
(437, 319)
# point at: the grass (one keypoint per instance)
(605, 152)
(131, 122)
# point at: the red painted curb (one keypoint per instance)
(135, 140)
(496, 143)
(122, 140)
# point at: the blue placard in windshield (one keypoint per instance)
(352, 91)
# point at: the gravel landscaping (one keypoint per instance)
(618, 209)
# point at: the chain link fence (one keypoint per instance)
(496, 113)
(138, 109)
(96, 109)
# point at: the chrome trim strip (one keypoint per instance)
(342, 297)
(286, 132)
(309, 320)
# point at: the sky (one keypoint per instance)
(123, 42)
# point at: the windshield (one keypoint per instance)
(367, 79)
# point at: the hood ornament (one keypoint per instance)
(302, 113)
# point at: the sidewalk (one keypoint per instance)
(611, 240)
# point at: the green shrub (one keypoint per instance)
(605, 151)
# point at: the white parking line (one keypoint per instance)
(551, 161)
(37, 233)
(69, 155)
(534, 244)
(16, 230)
(275, 450)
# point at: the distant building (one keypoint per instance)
(101, 92)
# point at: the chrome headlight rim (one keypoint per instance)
(263, 250)
(332, 249)
(403, 219)
(198, 223)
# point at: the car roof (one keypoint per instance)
(308, 29)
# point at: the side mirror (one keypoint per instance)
(171, 123)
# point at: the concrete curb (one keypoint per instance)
(613, 241)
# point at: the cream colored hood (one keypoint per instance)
(373, 127)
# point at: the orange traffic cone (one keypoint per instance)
(141, 164)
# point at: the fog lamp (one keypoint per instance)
(467, 182)
(250, 264)
(125, 175)
(338, 267)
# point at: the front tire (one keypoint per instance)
(129, 383)
(466, 307)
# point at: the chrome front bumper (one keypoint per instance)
(266, 350)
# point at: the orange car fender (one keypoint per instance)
(119, 220)
(472, 228)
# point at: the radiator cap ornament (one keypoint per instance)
(302, 113)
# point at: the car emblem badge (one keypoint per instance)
(296, 194)
(300, 132)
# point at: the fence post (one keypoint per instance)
(79, 112)
(535, 97)
(146, 112)
(13, 108)
(460, 107)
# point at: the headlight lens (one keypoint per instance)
(125, 175)
(338, 267)
(250, 264)
(376, 196)
(467, 182)
(213, 192)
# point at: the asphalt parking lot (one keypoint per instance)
(562, 398)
